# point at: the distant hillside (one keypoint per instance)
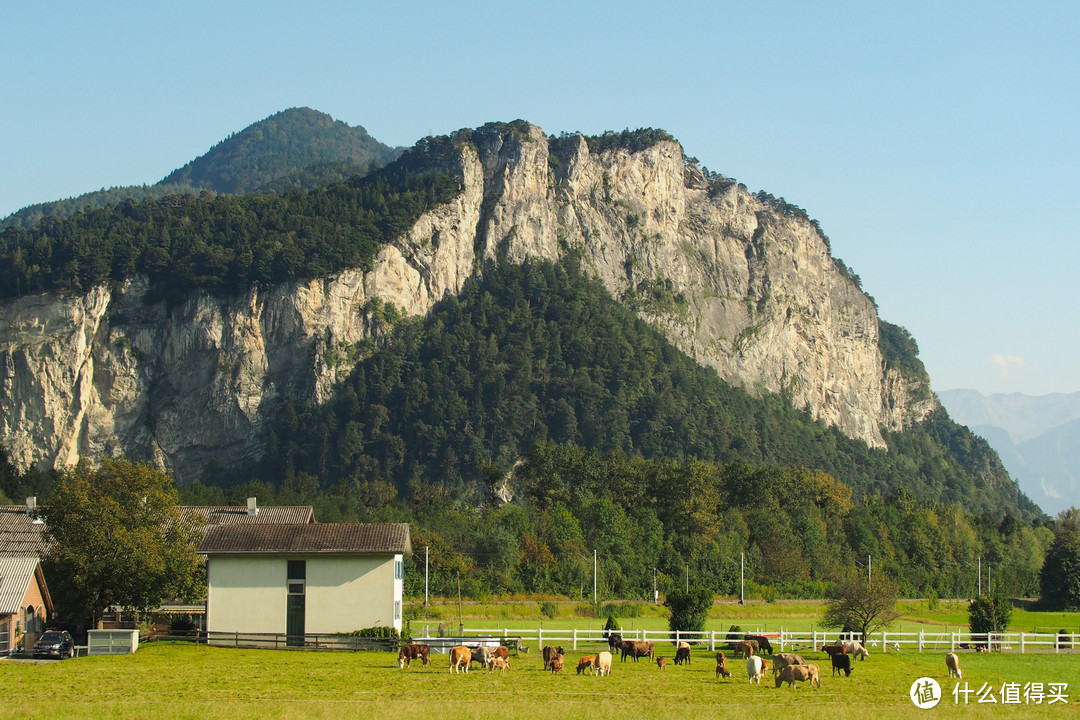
(280, 145)
(293, 149)
(1037, 438)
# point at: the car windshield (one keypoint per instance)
(52, 637)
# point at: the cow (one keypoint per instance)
(682, 655)
(614, 640)
(460, 655)
(856, 649)
(498, 663)
(661, 663)
(636, 649)
(782, 660)
(482, 655)
(682, 644)
(952, 661)
(755, 668)
(603, 664)
(763, 642)
(841, 661)
(408, 653)
(831, 650)
(746, 648)
(799, 673)
(721, 665)
(586, 663)
(550, 653)
(556, 664)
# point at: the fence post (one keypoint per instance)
(540, 638)
(921, 640)
(1022, 642)
(1057, 643)
(677, 637)
(575, 638)
(712, 641)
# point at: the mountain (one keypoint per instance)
(296, 148)
(207, 334)
(278, 146)
(1035, 436)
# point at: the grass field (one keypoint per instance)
(167, 680)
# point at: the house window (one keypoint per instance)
(397, 609)
(5, 633)
(399, 569)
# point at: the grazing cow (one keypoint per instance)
(746, 648)
(501, 652)
(408, 653)
(636, 649)
(603, 664)
(550, 653)
(614, 640)
(755, 668)
(721, 665)
(682, 644)
(556, 664)
(856, 649)
(482, 655)
(831, 650)
(762, 642)
(661, 663)
(498, 663)
(841, 661)
(682, 655)
(586, 663)
(460, 655)
(799, 673)
(782, 660)
(953, 663)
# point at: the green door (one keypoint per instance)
(294, 620)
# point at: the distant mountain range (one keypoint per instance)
(295, 148)
(1037, 438)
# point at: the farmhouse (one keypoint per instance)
(304, 578)
(25, 604)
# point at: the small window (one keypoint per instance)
(296, 588)
(399, 569)
(297, 570)
(397, 609)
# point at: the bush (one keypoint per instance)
(689, 608)
(611, 626)
(549, 609)
(989, 614)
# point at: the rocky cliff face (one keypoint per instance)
(737, 285)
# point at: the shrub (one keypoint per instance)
(549, 609)
(689, 608)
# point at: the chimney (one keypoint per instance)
(31, 506)
(252, 508)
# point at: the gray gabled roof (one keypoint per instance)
(210, 515)
(328, 538)
(16, 573)
(20, 535)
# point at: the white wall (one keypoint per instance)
(247, 594)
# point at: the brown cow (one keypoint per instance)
(746, 648)
(408, 653)
(831, 650)
(585, 663)
(799, 673)
(782, 660)
(636, 649)
(721, 665)
(682, 655)
(556, 664)
(763, 643)
(501, 652)
(498, 663)
(460, 655)
(550, 652)
(661, 663)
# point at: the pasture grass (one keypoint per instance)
(179, 680)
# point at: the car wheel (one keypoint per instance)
(71, 652)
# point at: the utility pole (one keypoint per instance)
(980, 575)
(655, 592)
(425, 575)
(742, 578)
(594, 576)
(687, 577)
(869, 569)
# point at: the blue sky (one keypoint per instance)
(937, 143)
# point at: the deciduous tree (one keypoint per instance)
(116, 540)
(860, 604)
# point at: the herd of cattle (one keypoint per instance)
(787, 668)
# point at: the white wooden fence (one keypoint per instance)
(789, 641)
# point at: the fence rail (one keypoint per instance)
(781, 640)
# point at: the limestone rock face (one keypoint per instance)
(731, 281)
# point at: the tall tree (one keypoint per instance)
(862, 605)
(116, 540)
(1059, 579)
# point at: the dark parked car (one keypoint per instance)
(55, 643)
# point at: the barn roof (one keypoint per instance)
(20, 534)
(314, 538)
(211, 515)
(16, 573)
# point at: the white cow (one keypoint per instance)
(602, 664)
(755, 668)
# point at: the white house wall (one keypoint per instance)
(247, 594)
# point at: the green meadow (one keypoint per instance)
(179, 680)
